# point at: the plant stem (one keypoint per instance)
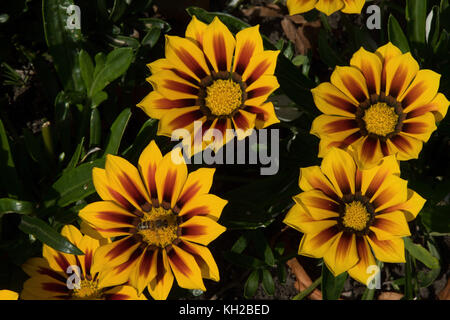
(308, 290)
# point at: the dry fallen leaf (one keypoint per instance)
(303, 280)
(390, 296)
(445, 293)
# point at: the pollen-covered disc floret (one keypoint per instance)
(223, 97)
(88, 290)
(349, 215)
(355, 216)
(161, 219)
(159, 227)
(380, 119)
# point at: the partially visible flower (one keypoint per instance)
(347, 213)
(165, 216)
(326, 6)
(8, 295)
(381, 104)
(65, 276)
(214, 78)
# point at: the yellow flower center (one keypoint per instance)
(380, 119)
(355, 216)
(223, 97)
(88, 291)
(159, 227)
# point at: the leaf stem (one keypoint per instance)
(303, 294)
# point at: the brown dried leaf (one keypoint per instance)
(303, 280)
(260, 11)
(445, 293)
(390, 296)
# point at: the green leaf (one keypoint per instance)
(299, 60)
(86, 68)
(308, 290)
(421, 254)
(76, 156)
(327, 54)
(243, 260)
(10, 181)
(46, 234)
(433, 36)
(73, 185)
(116, 63)
(436, 218)
(416, 15)
(332, 286)
(119, 8)
(145, 135)
(152, 37)
(63, 43)
(15, 206)
(396, 35)
(100, 60)
(95, 128)
(240, 244)
(251, 285)
(98, 98)
(262, 247)
(150, 23)
(116, 132)
(267, 282)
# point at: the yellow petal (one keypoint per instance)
(342, 254)
(421, 91)
(405, 147)
(123, 293)
(318, 205)
(185, 269)
(361, 271)
(312, 178)
(373, 178)
(317, 245)
(265, 115)
(244, 123)
(438, 106)
(195, 30)
(388, 250)
(330, 100)
(339, 166)
(201, 230)
(218, 45)
(106, 191)
(260, 90)
(386, 53)
(172, 86)
(420, 127)
(368, 152)
(180, 118)
(155, 105)
(353, 6)
(351, 82)
(160, 286)
(390, 225)
(159, 65)
(148, 162)
(392, 191)
(145, 270)
(44, 287)
(335, 128)
(261, 64)
(108, 219)
(208, 205)
(299, 219)
(248, 43)
(170, 177)
(300, 6)
(329, 6)
(114, 254)
(203, 258)
(8, 295)
(411, 207)
(197, 183)
(370, 65)
(400, 71)
(186, 57)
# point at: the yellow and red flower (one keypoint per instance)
(381, 104)
(346, 212)
(165, 218)
(215, 78)
(326, 6)
(51, 275)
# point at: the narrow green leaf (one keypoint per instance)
(251, 285)
(421, 254)
(116, 63)
(95, 128)
(332, 286)
(146, 134)
(327, 54)
(262, 247)
(98, 98)
(267, 282)
(100, 60)
(86, 68)
(76, 156)
(240, 244)
(119, 8)
(10, 181)
(73, 185)
(116, 132)
(62, 42)
(408, 277)
(46, 234)
(396, 35)
(243, 260)
(15, 206)
(416, 15)
(152, 37)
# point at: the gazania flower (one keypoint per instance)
(66, 276)
(326, 6)
(381, 104)
(165, 218)
(346, 213)
(8, 295)
(216, 79)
